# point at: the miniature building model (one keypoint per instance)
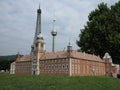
(67, 63)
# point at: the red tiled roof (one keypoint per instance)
(64, 54)
(86, 56)
(75, 54)
(25, 58)
(52, 55)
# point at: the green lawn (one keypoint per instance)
(29, 82)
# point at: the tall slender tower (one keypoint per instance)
(38, 33)
(54, 33)
(38, 47)
(38, 28)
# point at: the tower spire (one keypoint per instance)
(39, 5)
(54, 33)
(38, 23)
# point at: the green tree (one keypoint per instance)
(5, 63)
(102, 32)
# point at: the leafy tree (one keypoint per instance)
(102, 32)
(5, 63)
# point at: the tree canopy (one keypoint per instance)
(5, 64)
(101, 34)
(5, 61)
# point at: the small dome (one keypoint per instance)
(39, 10)
(69, 44)
(40, 36)
(39, 39)
(69, 47)
(107, 56)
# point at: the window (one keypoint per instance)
(63, 66)
(42, 45)
(36, 45)
(78, 68)
(72, 66)
(52, 66)
(59, 65)
(62, 60)
(52, 61)
(67, 66)
(83, 69)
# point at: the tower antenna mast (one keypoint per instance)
(54, 33)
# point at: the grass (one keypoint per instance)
(30, 82)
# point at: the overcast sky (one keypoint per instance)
(18, 22)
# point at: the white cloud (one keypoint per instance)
(18, 19)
